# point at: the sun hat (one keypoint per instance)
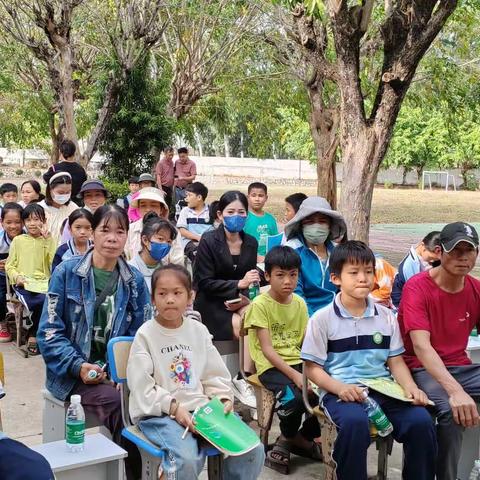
(454, 233)
(312, 205)
(146, 177)
(88, 185)
(149, 193)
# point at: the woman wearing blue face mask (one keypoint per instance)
(224, 268)
(312, 233)
(156, 237)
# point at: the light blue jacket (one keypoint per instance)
(314, 284)
(66, 326)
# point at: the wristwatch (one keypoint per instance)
(173, 408)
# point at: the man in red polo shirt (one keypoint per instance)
(164, 173)
(438, 310)
(185, 173)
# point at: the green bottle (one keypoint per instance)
(253, 290)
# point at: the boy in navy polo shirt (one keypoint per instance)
(353, 338)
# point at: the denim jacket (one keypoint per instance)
(66, 326)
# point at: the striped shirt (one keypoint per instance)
(350, 348)
(197, 223)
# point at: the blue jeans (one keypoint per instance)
(184, 459)
(413, 426)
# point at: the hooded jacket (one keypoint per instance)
(314, 284)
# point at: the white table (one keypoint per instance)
(101, 459)
(471, 436)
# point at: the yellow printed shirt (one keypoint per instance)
(285, 322)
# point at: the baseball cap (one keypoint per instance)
(92, 185)
(454, 233)
(146, 177)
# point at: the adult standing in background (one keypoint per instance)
(69, 165)
(184, 174)
(164, 173)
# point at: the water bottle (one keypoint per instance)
(376, 415)
(75, 425)
(253, 290)
(475, 473)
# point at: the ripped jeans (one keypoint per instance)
(184, 459)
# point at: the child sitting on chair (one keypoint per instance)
(277, 320)
(174, 368)
(351, 339)
(28, 266)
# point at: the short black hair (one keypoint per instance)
(152, 223)
(34, 209)
(67, 149)
(259, 185)
(9, 207)
(168, 149)
(80, 213)
(432, 240)
(198, 188)
(213, 211)
(352, 251)
(229, 197)
(282, 257)
(295, 200)
(182, 150)
(132, 180)
(106, 213)
(8, 187)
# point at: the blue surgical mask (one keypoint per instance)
(158, 250)
(234, 223)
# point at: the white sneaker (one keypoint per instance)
(244, 392)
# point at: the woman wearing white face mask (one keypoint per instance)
(312, 232)
(57, 204)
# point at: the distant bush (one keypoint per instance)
(116, 189)
(18, 171)
(38, 173)
(471, 182)
(1, 173)
(387, 184)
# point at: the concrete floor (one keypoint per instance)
(21, 411)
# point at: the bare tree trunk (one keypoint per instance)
(226, 144)
(324, 128)
(404, 175)
(56, 138)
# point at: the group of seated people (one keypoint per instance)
(94, 273)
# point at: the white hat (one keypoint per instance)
(149, 193)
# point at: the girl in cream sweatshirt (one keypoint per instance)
(174, 368)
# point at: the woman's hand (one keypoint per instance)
(227, 406)
(85, 368)
(184, 418)
(45, 232)
(234, 307)
(251, 276)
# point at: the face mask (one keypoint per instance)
(61, 199)
(159, 250)
(234, 223)
(316, 233)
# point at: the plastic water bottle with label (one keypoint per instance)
(75, 425)
(253, 290)
(475, 473)
(376, 415)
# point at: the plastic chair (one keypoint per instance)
(329, 434)
(274, 241)
(2, 381)
(22, 320)
(118, 350)
(265, 398)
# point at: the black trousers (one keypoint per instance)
(291, 407)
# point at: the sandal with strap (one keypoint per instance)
(278, 458)
(32, 348)
(314, 452)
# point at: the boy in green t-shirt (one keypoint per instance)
(259, 224)
(277, 321)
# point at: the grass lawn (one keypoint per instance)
(389, 205)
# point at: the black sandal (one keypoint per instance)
(32, 348)
(314, 452)
(278, 458)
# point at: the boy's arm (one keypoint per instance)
(188, 234)
(344, 391)
(402, 375)
(275, 359)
